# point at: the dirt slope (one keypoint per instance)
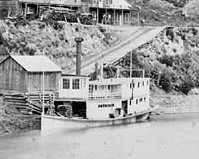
(138, 37)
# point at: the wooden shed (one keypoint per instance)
(25, 74)
(8, 7)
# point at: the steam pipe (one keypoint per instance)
(78, 41)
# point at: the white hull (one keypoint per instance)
(55, 124)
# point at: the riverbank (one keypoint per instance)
(176, 104)
(12, 121)
(172, 136)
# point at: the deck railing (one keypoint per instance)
(103, 96)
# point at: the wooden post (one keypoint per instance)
(106, 16)
(122, 17)
(96, 71)
(114, 17)
(25, 11)
(102, 71)
(37, 8)
(138, 18)
(118, 72)
(143, 72)
(97, 15)
(130, 17)
(131, 63)
(43, 89)
(16, 8)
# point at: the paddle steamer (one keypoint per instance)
(102, 102)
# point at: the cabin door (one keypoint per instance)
(125, 106)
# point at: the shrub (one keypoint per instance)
(186, 86)
(168, 60)
(165, 81)
(3, 13)
(170, 33)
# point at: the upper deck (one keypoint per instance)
(80, 88)
(118, 88)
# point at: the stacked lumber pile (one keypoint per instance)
(12, 120)
(8, 7)
(37, 97)
(22, 103)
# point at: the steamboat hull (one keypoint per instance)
(57, 124)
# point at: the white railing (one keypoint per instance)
(102, 96)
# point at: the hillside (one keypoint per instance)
(58, 44)
(170, 58)
(166, 12)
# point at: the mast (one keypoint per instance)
(43, 87)
(101, 70)
(131, 65)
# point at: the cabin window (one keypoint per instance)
(95, 87)
(94, 1)
(133, 85)
(76, 84)
(130, 85)
(84, 82)
(140, 99)
(130, 102)
(109, 87)
(138, 84)
(66, 83)
(90, 88)
(143, 83)
(107, 2)
(136, 101)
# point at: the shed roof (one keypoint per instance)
(120, 4)
(36, 63)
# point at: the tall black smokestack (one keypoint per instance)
(78, 41)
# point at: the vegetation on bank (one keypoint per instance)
(166, 12)
(171, 59)
(37, 37)
(11, 120)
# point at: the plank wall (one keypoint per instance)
(6, 5)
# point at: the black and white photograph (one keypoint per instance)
(99, 79)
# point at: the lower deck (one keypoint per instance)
(101, 109)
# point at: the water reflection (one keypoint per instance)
(169, 136)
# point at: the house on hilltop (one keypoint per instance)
(115, 12)
(25, 74)
(33, 6)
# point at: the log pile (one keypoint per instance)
(38, 97)
(28, 103)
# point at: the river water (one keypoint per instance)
(163, 137)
